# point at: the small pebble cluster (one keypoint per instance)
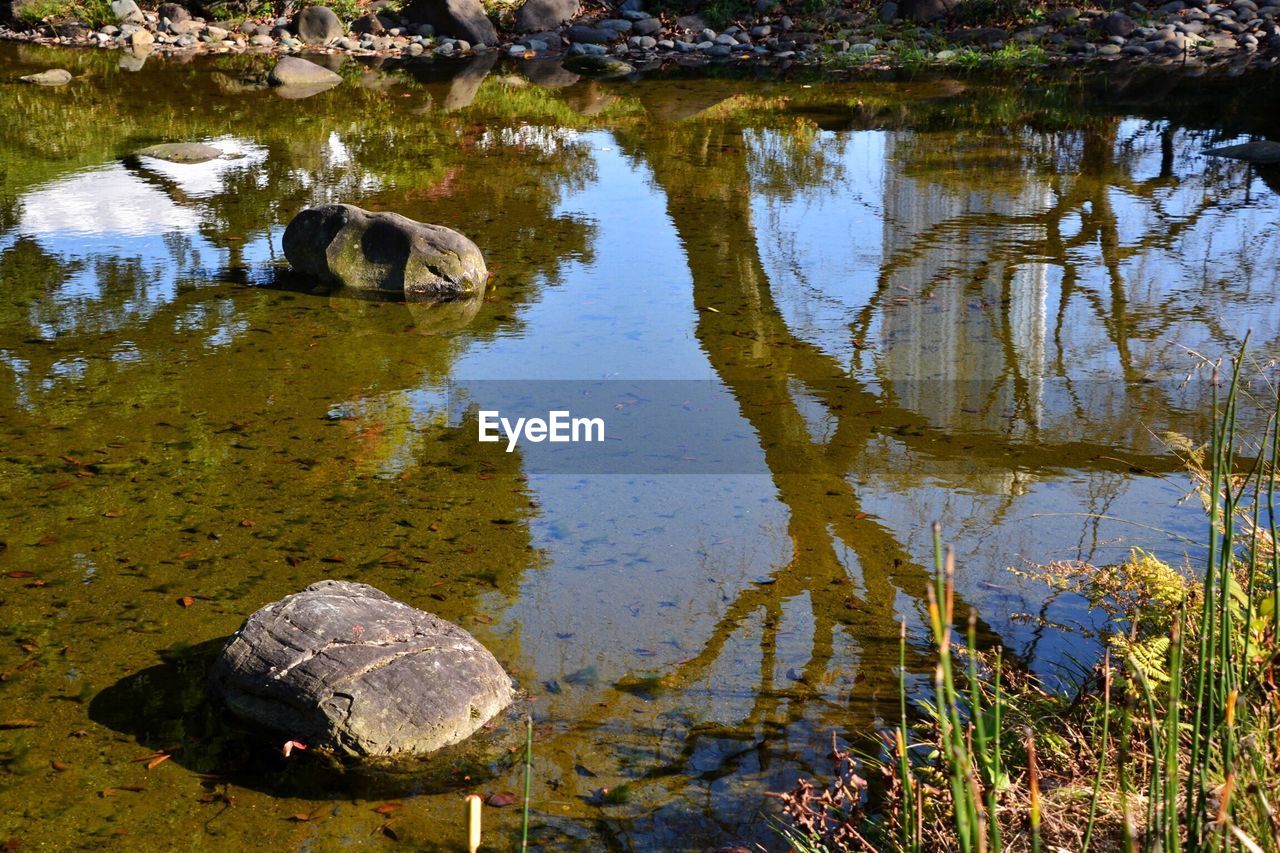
(1195, 32)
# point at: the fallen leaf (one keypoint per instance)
(295, 560)
(389, 808)
(20, 574)
(19, 724)
(114, 513)
(58, 765)
(248, 522)
(157, 761)
(185, 554)
(504, 798)
(186, 601)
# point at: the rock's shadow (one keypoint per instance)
(167, 708)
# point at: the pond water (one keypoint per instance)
(890, 301)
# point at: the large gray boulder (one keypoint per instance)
(464, 19)
(537, 15)
(345, 246)
(345, 667)
(1262, 151)
(318, 25)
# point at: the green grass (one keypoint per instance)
(95, 13)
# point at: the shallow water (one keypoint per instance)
(834, 312)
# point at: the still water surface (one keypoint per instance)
(913, 300)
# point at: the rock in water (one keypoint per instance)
(295, 71)
(318, 25)
(538, 15)
(345, 246)
(52, 77)
(181, 152)
(1262, 151)
(346, 667)
(598, 66)
(464, 19)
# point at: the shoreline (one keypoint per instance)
(1195, 36)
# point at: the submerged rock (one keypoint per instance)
(1260, 151)
(292, 71)
(345, 667)
(345, 246)
(52, 77)
(597, 66)
(181, 152)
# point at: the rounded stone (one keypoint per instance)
(344, 667)
(293, 71)
(318, 25)
(346, 246)
(181, 152)
(174, 12)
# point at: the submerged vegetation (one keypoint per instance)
(1168, 743)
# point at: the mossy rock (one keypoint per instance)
(345, 246)
(598, 66)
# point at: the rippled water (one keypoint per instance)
(902, 301)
